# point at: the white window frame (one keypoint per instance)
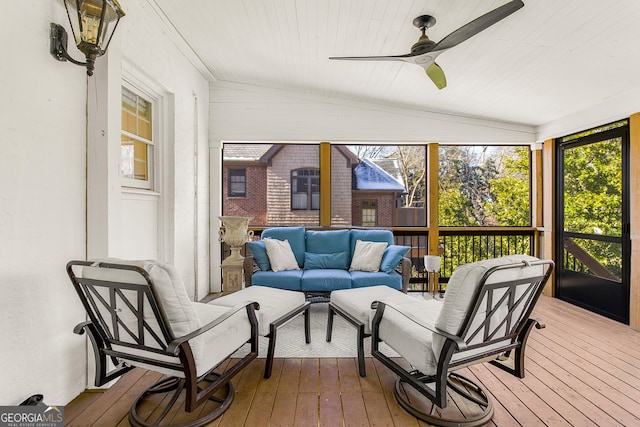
(156, 117)
(162, 188)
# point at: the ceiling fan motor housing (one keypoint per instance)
(422, 45)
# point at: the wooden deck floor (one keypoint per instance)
(582, 370)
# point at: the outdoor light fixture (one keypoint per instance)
(93, 23)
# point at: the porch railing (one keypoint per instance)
(459, 245)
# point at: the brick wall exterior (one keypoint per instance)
(385, 205)
(341, 185)
(290, 157)
(255, 203)
(268, 198)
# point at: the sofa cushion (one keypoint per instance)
(289, 279)
(328, 241)
(367, 256)
(325, 280)
(392, 256)
(360, 279)
(295, 236)
(370, 236)
(314, 261)
(280, 255)
(259, 251)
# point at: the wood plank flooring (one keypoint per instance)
(582, 370)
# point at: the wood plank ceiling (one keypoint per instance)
(550, 59)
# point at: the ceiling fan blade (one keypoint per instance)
(477, 25)
(436, 75)
(404, 58)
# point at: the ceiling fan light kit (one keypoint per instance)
(424, 52)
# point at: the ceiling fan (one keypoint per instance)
(424, 51)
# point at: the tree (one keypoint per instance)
(411, 160)
(593, 199)
(511, 190)
(371, 151)
(484, 186)
(412, 167)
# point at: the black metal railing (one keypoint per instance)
(457, 246)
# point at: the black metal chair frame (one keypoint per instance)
(360, 333)
(273, 329)
(498, 347)
(104, 336)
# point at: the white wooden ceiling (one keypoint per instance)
(550, 59)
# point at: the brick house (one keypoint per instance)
(278, 185)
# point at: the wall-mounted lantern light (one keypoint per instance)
(93, 23)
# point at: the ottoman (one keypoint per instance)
(276, 307)
(355, 306)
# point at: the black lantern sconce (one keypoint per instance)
(93, 23)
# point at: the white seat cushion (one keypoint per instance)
(183, 316)
(463, 285)
(222, 340)
(405, 334)
(357, 301)
(274, 303)
(217, 343)
(168, 288)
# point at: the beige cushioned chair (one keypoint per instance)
(140, 316)
(484, 317)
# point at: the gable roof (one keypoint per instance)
(369, 176)
(245, 152)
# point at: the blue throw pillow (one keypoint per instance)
(259, 251)
(338, 260)
(392, 256)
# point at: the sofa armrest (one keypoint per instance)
(404, 268)
(249, 267)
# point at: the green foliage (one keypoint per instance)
(484, 186)
(593, 199)
(592, 188)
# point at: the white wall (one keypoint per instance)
(43, 190)
(145, 46)
(616, 108)
(251, 113)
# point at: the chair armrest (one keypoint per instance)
(404, 268)
(175, 344)
(538, 324)
(381, 305)
(80, 327)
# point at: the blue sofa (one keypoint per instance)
(324, 260)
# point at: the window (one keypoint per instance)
(305, 189)
(484, 186)
(369, 213)
(237, 182)
(136, 141)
